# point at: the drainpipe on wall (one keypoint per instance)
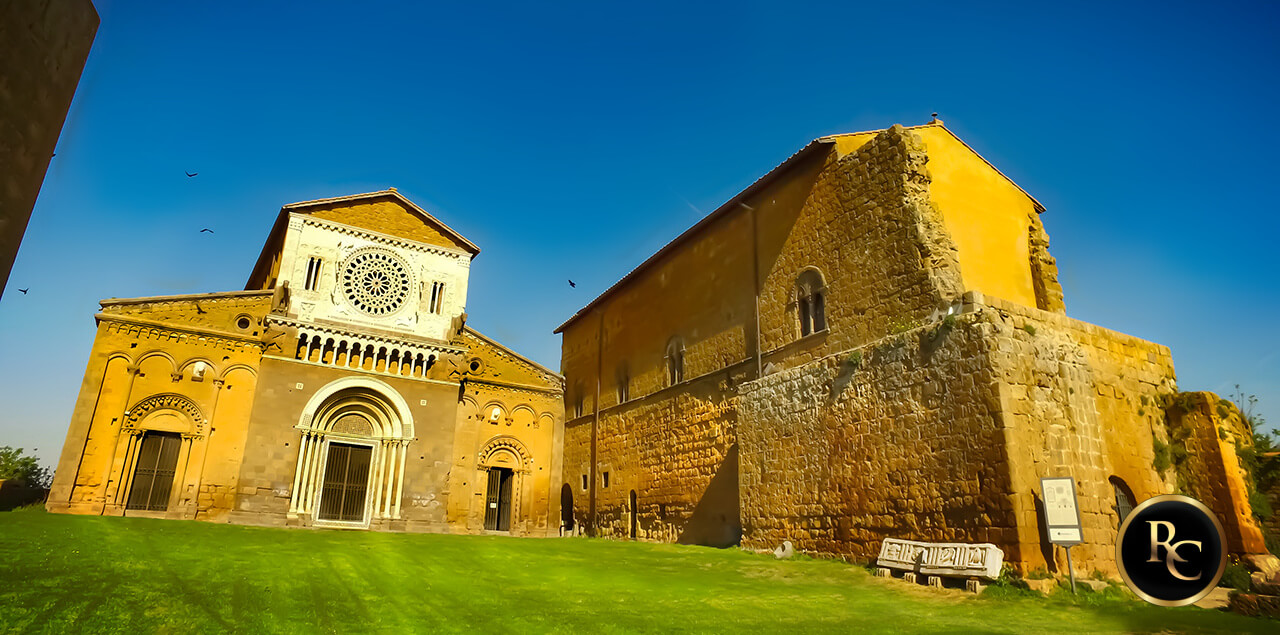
(595, 422)
(755, 282)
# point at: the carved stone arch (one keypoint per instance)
(486, 413)
(399, 419)
(167, 401)
(234, 367)
(545, 419)
(523, 415)
(173, 364)
(120, 355)
(490, 455)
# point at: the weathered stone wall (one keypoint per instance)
(899, 438)
(1076, 400)
(1209, 429)
(942, 434)
(868, 225)
(43, 48)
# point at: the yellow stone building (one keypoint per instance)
(869, 342)
(341, 388)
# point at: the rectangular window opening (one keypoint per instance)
(604, 479)
(313, 274)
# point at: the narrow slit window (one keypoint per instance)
(624, 384)
(675, 361)
(605, 479)
(437, 297)
(313, 274)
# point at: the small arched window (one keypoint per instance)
(811, 300)
(1124, 498)
(675, 361)
(624, 383)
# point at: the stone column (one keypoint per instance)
(304, 452)
(395, 510)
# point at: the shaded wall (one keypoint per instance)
(43, 48)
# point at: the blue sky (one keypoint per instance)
(572, 141)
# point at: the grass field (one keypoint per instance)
(90, 574)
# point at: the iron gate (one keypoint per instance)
(153, 476)
(346, 481)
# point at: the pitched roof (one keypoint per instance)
(759, 184)
(387, 193)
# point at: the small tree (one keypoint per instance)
(13, 465)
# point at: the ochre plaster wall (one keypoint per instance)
(148, 348)
(387, 216)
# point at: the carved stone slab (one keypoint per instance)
(942, 558)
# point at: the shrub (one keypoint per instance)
(1236, 576)
(1031, 330)
(13, 465)
(1163, 460)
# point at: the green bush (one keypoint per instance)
(1031, 330)
(1163, 460)
(1236, 576)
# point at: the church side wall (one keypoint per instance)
(899, 438)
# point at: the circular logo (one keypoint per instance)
(376, 282)
(1171, 550)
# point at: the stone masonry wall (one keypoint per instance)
(868, 225)
(1207, 430)
(898, 438)
(942, 433)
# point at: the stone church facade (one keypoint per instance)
(870, 341)
(342, 388)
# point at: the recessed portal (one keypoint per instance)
(497, 511)
(346, 483)
(153, 477)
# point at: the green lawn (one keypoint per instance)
(72, 574)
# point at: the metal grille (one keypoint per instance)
(497, 511)
(346, 482)
(153, 476)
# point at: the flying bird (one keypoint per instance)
(200, 310)
(189, 174)
(206, 229)
(24, 291)
(572, 284)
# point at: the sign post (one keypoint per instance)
(1062, 516)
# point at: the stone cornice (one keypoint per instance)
(225, 297)
(377, 237)
(524, 388)
(212, 335)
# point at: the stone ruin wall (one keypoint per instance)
(1210, 429)
(942, 434)
(898, 438)
(1080, 400)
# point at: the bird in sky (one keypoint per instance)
(200, 310)
(189, 174)
(206, 229)
(24, 291)
(572, 284)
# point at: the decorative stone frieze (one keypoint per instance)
(947, 558)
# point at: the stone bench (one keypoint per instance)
(934, 559)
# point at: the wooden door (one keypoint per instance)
(153, 475)
(346, 483)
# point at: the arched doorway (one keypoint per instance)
(1124, 498)
(566, 509)
(355, 439)
(635, 516)
(504, 465)
(159, 432)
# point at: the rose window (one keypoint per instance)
(376, 282)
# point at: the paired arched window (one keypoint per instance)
(811, 300)
(675, 361)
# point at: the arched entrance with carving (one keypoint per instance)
(160, 432)
(504, 466)
(355, 435)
